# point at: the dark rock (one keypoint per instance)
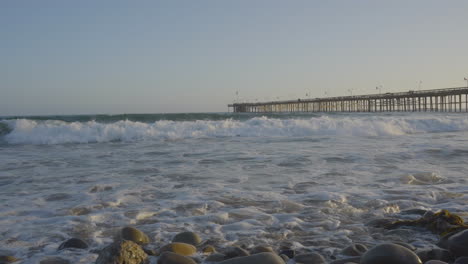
(150, 252)
(208, 249)
(310, 258)
(173, 258)
(389, 254)
(354, 250)
(215, 257)
(122, 252)
(458, 244)
(7, 259)
(284, 257)
(443, 241)
(435, 262)
(73, 243)
(406, 245)
(260, 258)
(54, 260)
(234, 252)
(347, 260)
(435, 254)
(188, 237)
(415, 211)
(183, 249)
(135, 235)
(461, 260)
(260, 249)
(288, 252)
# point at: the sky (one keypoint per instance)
(112, 56)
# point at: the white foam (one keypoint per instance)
(26, 131)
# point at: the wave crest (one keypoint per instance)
(27, 131)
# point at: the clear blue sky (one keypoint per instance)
(83, 57)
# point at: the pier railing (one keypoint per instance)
(436, 100)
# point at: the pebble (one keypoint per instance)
(234, 252)
(215, 257)
(122, 252)
(73, 243)
(310, 258)
(207, 250)
(461, 260)
(188, 237)
(260, 258)
(354, 250)
(347, 260)
(435, 262)
(288, 252)
(54, 260)
(183, 249)
(260, 249)
(390, 254)
(435, 254)
(458, 244)
(7, 259)
(173, 258)
(135, 235)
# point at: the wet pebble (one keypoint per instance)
(434, 254)
(188, 238)
(173, 258)
(122, 252)
(390, 254)
(234, 252)
(458, 244)
(260, 258)
(310, 258)
(183, 249)
(354, 250)
(7, 259)
(54, 260)
(461, 260)
(347, 260)
(135, 235)
(73, 243)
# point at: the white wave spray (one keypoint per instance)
(26, 131)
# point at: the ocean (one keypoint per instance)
(309, 181)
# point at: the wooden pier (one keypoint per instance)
(437, 100)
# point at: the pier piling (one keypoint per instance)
(437, 100)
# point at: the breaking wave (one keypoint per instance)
(29, 131)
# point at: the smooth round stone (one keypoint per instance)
(284, 257)
(173, 258)
(215, 257)
(443, 241)
(435, 262)
(288, 252)
(260, 249)
(461, 260)
(54, 260)
(73, 243)
(207, 250)
(389, 254)
(354, 250)
(234, 252)
(347, 260)
(406, 245)
(260, 258)
(183, 249)
(435, 254)
(458, 244)
(310, 258)
(135, 235)
(188, 237)
(7, 259)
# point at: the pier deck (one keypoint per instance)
(436, 100)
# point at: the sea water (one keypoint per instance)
(307, 181)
